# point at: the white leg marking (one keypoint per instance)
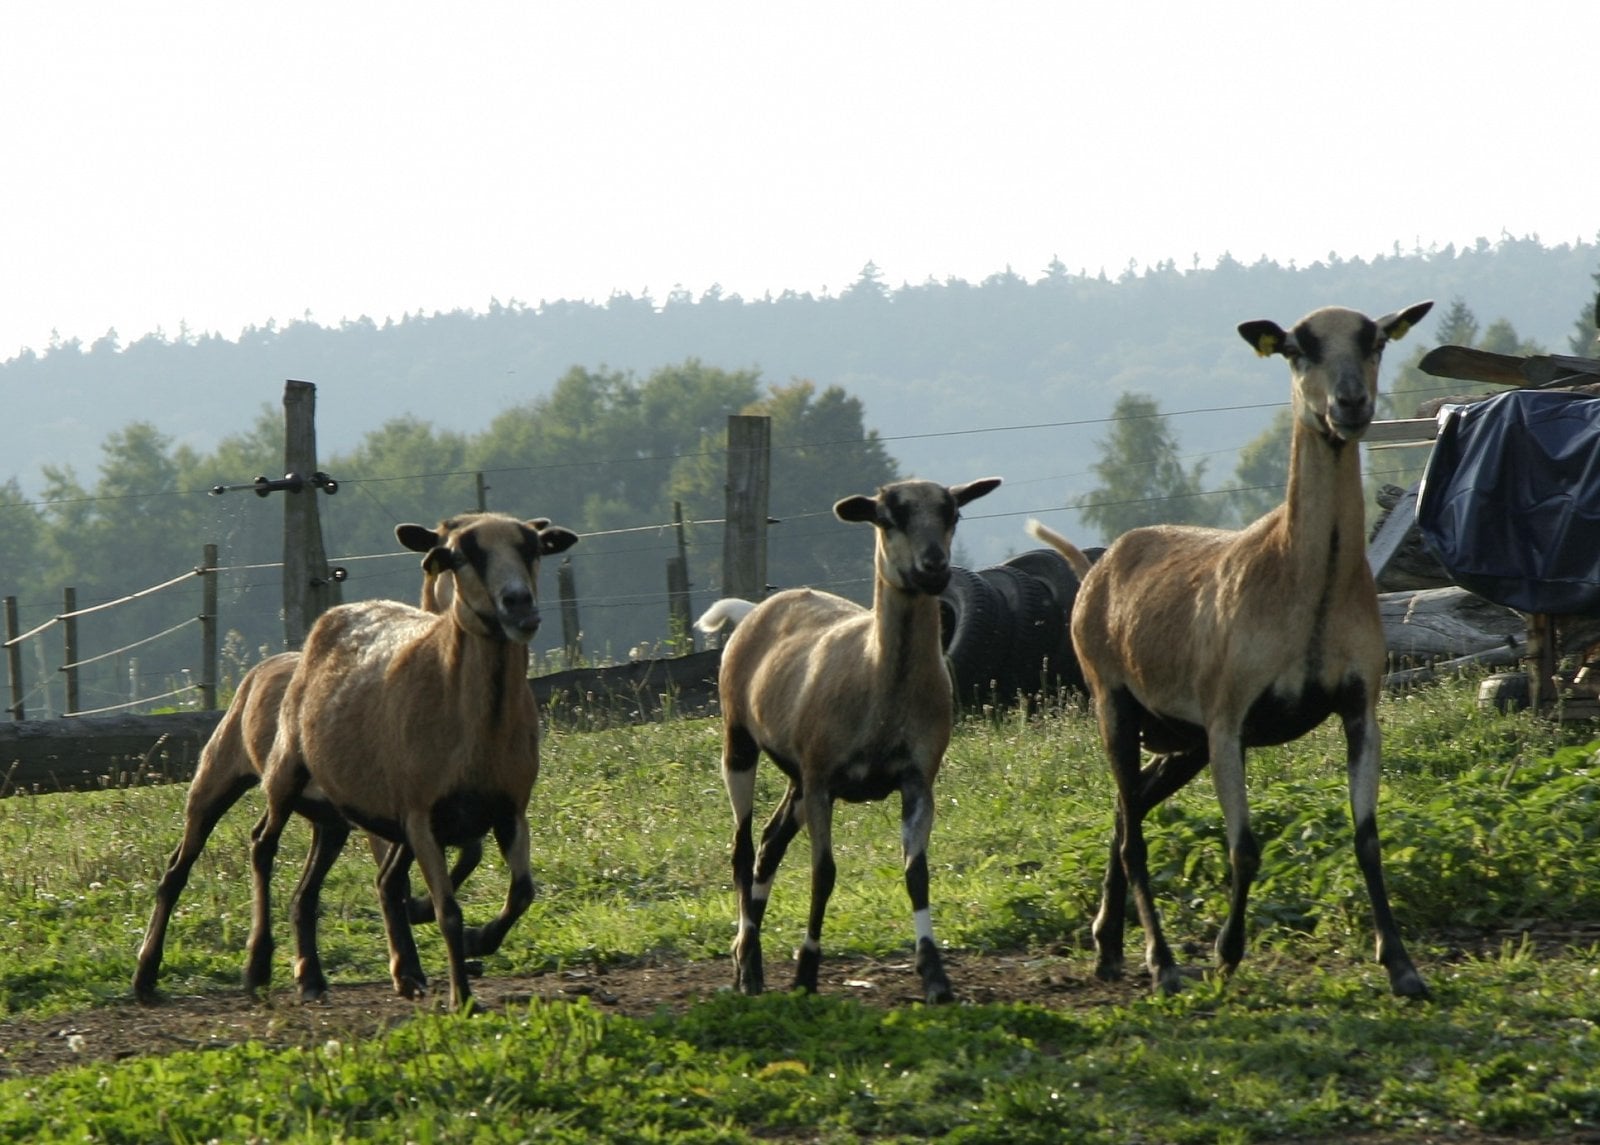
(924, 923)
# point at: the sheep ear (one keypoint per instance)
(857, 508)
(537, 523)
(417, 538)
(439, 560)
(1395, 326)
(554, 539)
(1267, 337)
(972, 490)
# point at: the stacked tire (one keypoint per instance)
(1006, 631)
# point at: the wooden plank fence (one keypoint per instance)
(93, 753)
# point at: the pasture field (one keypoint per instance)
(606, 1021)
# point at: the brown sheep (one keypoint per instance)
(1200, 643)
(420, 728)
(230, 764)
(850, 704)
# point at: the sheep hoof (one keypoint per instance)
(807, 968)
(1166, 980)
(1108, 970)
(314, 993)
(414, 987)
(1407, 983)
(749, 976)
(930, 968)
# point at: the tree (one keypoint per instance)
(22, 530)
(597, 455)
(1142, 478)
(1584, 341)
(1262, 472)
(821, 452)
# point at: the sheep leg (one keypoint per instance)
(916, 825)
(203, 811)
(739, 758)
(328, 834)
(818, 809)
(420, 907)
(1244, 853)
(281, 795)
(1157, 781)
(436, 873)
(1119, 716)
(511, 834)
(1362, 741)
(394, 895)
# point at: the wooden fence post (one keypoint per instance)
(679, 608)
(483, 493)
(309, 588)
(14, 658)
(69, 646)
(680, 626)
(744, 549)
(208, 628)
(567, 590)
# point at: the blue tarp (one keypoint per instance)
(1510, 502)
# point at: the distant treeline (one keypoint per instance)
(114, 442)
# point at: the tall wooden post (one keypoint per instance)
(14, 658)
(679, 620)
(744, 548)
(571, 634)
(208, 629)
(69, 646)
(680, 626)
(483, 493)
(309, 588)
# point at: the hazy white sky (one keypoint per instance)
(221, 164)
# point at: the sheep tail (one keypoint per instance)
(1074, 555)
(726, 612)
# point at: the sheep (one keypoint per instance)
(420, 728)
(1200, 643)
(850, 704)
(230, 764)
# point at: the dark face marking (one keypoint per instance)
(1310, 343)
(1367, 337)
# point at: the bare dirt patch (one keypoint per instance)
(31, 1046)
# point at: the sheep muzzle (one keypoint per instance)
(930, 579)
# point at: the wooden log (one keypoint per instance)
(637, 692)
(1428, 673)
(93, 752)
(1438, 623)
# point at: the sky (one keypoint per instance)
(213, 166)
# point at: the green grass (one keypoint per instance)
(1488, 821)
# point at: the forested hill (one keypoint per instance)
(939, 366)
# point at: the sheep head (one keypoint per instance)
(492, 560)
(1333, 355)
(916, 523)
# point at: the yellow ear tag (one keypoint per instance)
(1267, 347)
